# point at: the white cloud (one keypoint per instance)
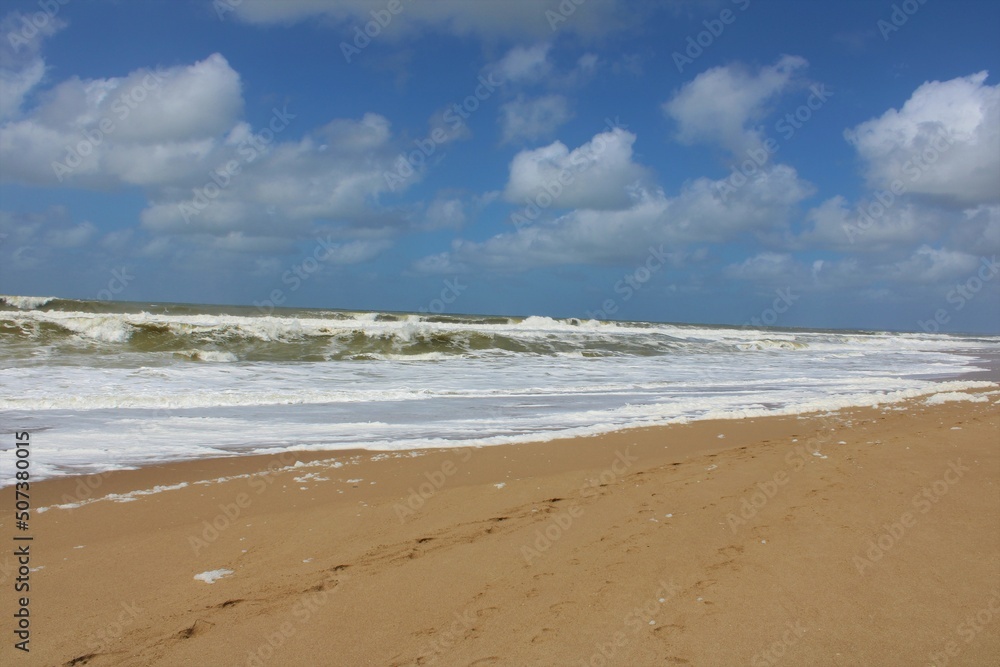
(934, 265)
(21, 65)
(71, 237)
(525, 64)
(530, 120)
(978, 231)
(597, 175)
(768, 268)
(720, 104)
(944, 142)
(510, 18)
(147, 128)
(445, 214)
(623, 236)
(836, 225)
(174, 131)
(354, 252)
(15, 84)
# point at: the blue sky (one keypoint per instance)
(732, 161)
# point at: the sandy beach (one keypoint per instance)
(866, 536)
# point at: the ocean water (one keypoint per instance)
(112, 385)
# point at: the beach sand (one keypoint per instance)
(864, 537)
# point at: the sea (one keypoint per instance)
(104, 385)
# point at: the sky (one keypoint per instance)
(808, 164)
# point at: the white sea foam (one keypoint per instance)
(27, 302)
(100, 404)
(953, 396)
(212, 576)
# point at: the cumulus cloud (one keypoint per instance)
(934, 265)
(530, 120)
(621, 236)
(445, 213)
(21, 65)
(768, 268)
(71, 237)
(934, 168)
(836, 225)
(596, 175)
(720, 105)
(978, 231)
(178, 133)
(149, 127)
(943, 143)
(525, 64)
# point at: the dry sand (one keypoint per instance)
(865, 537)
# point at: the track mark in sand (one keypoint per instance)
(731, 551)
(668, 629)
(484, 662)
(227, 603)
(338, 568)
(699, 586)
(198, 628)
(542, 635)
(466, 533)
(557, 607)
(729, 555)
(80, 660)
(324, 585)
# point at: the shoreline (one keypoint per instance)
(983, 380)
(556, 552)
